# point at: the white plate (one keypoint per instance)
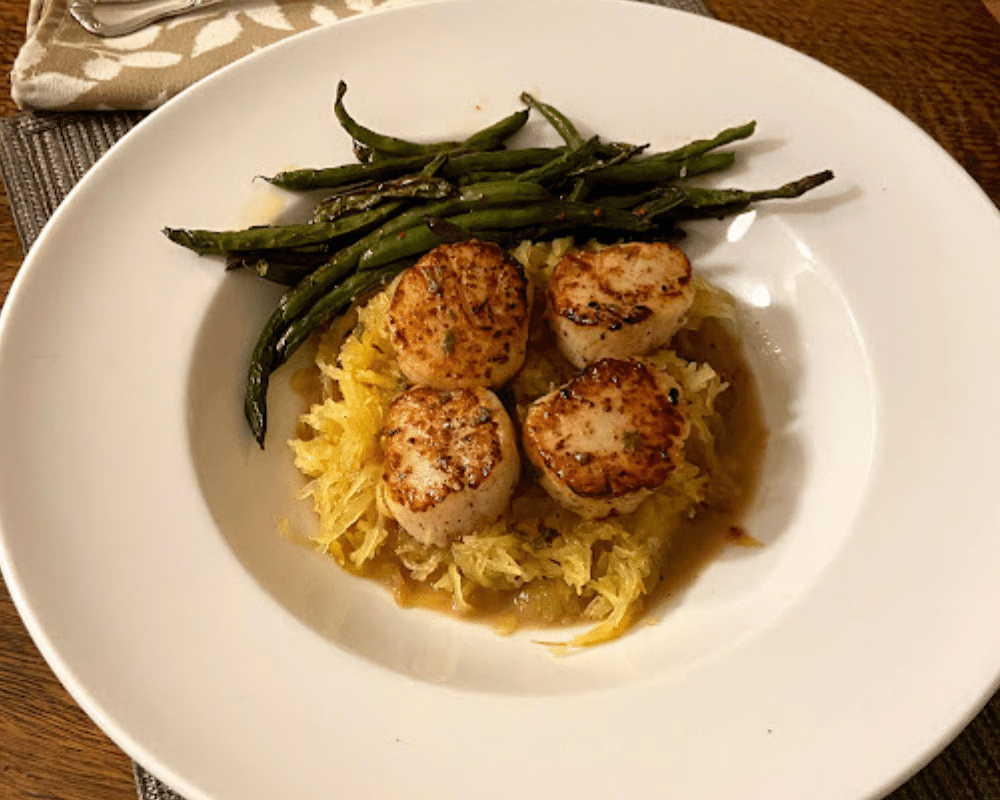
(138, 519)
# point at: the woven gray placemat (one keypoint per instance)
(43, 157)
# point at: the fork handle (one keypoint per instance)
(109, 18)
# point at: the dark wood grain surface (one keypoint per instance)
(937, 62)
(49, 749)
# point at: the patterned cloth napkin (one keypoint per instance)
(43, 156)
(62, 67)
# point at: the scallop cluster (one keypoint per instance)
(613, 434)
(602, 442)
(458, 319)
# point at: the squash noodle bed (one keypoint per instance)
(539, 564)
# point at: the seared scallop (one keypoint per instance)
(451, 461)
(604, 441)
(619, 301)
(459, 317)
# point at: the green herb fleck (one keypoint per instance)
(631, 441)
(434, 280)
(448, 345)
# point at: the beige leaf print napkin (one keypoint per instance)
(61, 67)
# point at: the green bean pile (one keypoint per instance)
(403, 198)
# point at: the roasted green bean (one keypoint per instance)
(487, 139)
(552, 215)
(563, 164)
(410, 188)
(269, 237)
(405, 197)
(307, 179)
(268, 353)
(701, 146)
(462, 164)
(457, 165)
(338, 298)
(648, 171)
(692, 202)
(566, 129)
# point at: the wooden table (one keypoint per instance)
(938, 63)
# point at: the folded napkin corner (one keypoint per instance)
(62, 67)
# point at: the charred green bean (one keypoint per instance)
(692, 202)
(338, 298)
(268, 355)
(404, 197)
(307, 179)
(270, 237)
(647, 171)
(566, 129)
(552, 215)
(701, 146)
(488, 138)
(409, 188)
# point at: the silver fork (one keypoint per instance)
(110, 18)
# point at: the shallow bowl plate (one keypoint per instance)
(138, 520)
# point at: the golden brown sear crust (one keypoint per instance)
(451, 461)
(611, 434)
(459, 317)
(619, 301)
(438, 443)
